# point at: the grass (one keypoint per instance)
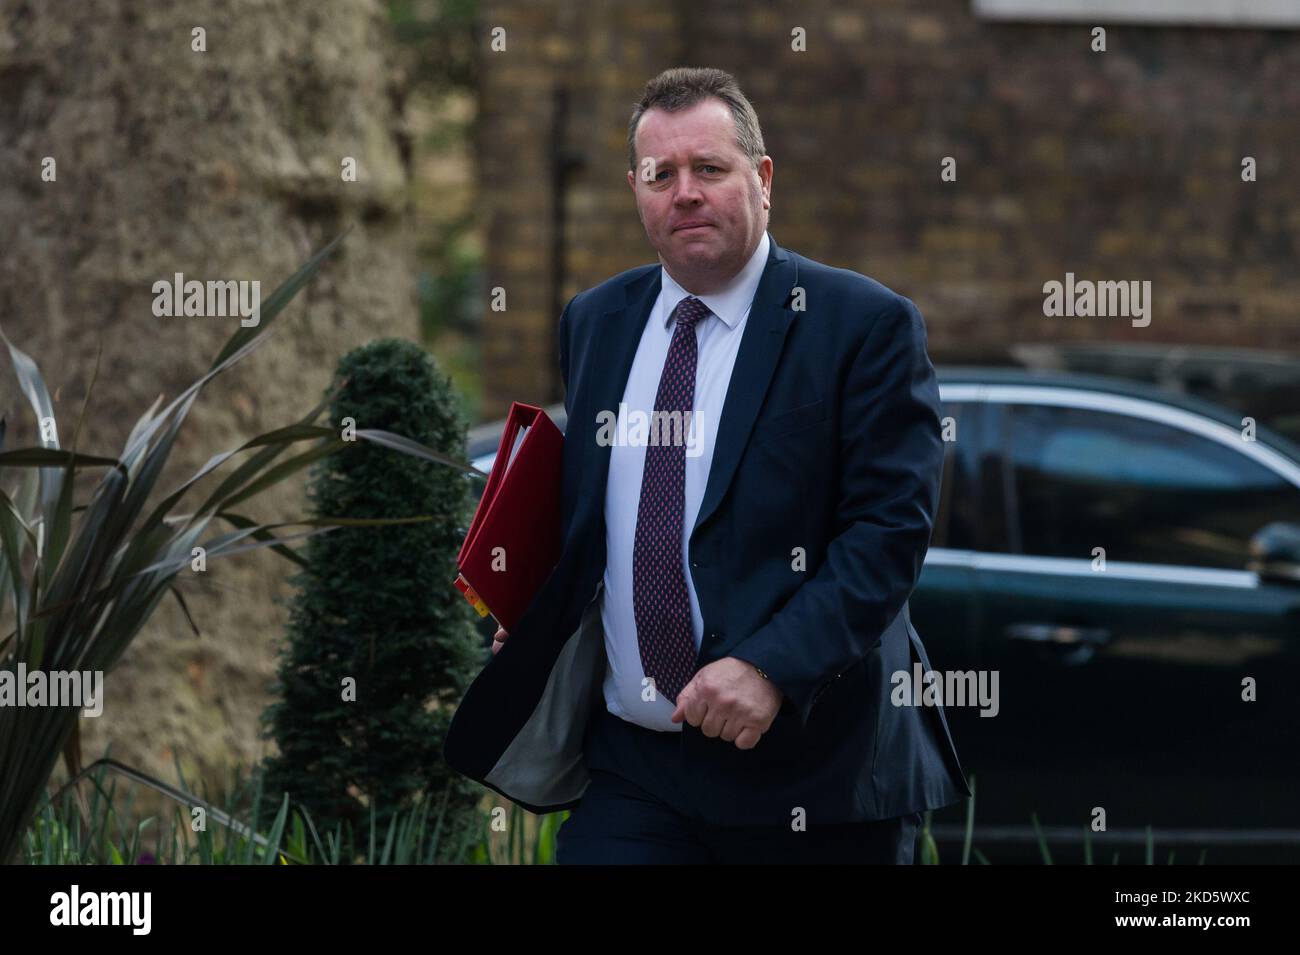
(90, 822)
(928, 851)
(95, 827)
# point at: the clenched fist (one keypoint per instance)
(729, 699)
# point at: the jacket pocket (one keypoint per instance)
(789, 421)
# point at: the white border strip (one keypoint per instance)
(1219, 13)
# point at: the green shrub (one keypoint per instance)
(375, 609)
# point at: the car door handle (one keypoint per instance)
(1058, 634)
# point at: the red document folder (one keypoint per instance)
(513, 542)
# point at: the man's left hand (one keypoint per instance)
(728, 698)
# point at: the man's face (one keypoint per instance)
(703, 206)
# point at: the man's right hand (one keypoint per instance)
(498, 641)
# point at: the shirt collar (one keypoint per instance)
(729, 303)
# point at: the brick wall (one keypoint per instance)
(1117, 165)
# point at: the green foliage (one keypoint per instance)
(88, 585)
(436, 53)
(378, 607)
(437, 40)
(451, 297)
(527, 839)
(66, 831)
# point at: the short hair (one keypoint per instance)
(684, 86)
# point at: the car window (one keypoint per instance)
(956, 522)
(1143, 490)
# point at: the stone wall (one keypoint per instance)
(224, 164)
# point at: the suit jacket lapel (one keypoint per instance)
(760, 348)
(617, 336)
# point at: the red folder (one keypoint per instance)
(513, 542)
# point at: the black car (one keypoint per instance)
(1125, 558)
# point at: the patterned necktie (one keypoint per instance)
(659, 599)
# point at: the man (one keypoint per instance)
(706, 675)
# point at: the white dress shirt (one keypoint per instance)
(718, 339)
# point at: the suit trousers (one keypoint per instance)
(636, 810)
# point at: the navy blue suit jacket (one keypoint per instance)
(829, 442)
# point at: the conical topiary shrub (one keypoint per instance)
(380, 644)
